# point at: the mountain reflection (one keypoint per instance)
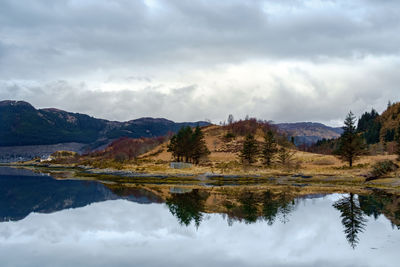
(26, 192)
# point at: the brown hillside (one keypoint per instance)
(390, 119)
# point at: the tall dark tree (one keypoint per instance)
(269, 148)
(352, 218)
(188, 145)
(351, 144)
(397, 139)
(250, 150)
(199, 146)
(370, 127)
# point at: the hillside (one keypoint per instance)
(140, 159)
(22, 124)
(389, 121)
(308, 132)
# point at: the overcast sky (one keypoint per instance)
(190, 60)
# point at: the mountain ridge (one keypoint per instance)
(23, 124)
(309, 132)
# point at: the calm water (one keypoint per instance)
(48, 222)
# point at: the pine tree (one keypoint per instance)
(351, 144)
(188, 145)
(250, 150)
(269, 148)
(199, 146)
(397, 139)
(173, 147)
(285, 156)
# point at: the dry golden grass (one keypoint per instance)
(324, 169)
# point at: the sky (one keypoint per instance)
(189, 60)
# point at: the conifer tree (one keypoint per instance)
(199, 146)
(249, 150)
(351, 144)
(397, 138)
(188, 145)
(269, 148)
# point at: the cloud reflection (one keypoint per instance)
(122, 233)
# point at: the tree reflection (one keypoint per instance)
(382, 203)
(248, 206)
(280, 206)
(255, 206)
(270, 208)
(188, 207)
(352, 218)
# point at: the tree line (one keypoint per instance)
(268, 150)
(353, 143)
(188, 145)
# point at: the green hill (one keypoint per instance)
(22, 124)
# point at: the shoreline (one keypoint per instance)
(317, 183)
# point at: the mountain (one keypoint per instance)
(22, 124)
(308, 132)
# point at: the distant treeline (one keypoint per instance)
(379, 132)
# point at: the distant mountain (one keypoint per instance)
(22, 124)
(309, 132)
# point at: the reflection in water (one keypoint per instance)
(352, 218)
(25, 193)
(21, 195)
(382, 203)
(251, 207)
(188, 207)
(277, 206)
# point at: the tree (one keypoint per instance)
(397, 139)
(351, 144)
(250, 149)
(285, 156)
(269, 148)
(370, 127)
(188, 145)
(199, 146)
(230, 119)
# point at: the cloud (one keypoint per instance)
(142, 51)
(285, 91)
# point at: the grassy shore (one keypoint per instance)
(317, 173)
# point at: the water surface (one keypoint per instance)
(48, 222)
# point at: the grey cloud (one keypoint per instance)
(71, 37)
(143, 46)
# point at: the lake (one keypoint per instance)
(52, 222)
